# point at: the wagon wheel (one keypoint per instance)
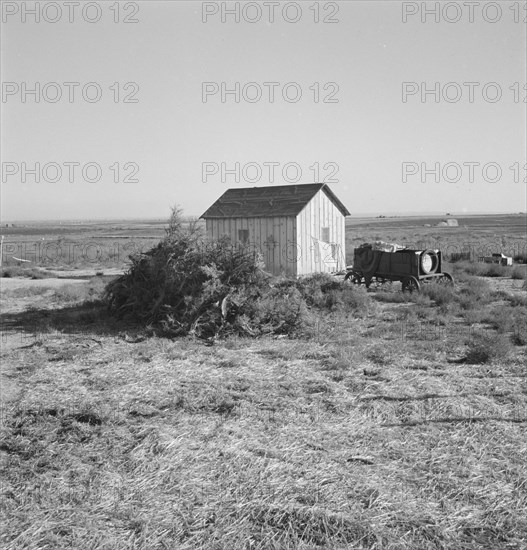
(410, 284)
(446, 279)
(354, 276)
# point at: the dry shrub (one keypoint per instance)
(392, 297)
(462, 276)
(519, 272)
(485, 348)
(465, 267)
(480, 269)
(320, 290)
(476, 293)
(279, 310)
(519, 326)
(499, 318)
(504, 320)
(519, 336)
(356, 299)
(517, 300)
(421, 301)
(324, 291)
(442, 295)
(495, 270)
(473, 316)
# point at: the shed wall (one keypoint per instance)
(316, 255)
(275, 237)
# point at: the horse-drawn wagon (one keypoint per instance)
(410, 267)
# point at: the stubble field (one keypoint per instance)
(395, 422)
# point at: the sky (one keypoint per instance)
(128, 117)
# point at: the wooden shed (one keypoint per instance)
(298, 229)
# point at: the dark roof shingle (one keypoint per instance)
(276, 200)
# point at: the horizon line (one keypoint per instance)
(373, 215)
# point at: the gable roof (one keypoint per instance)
(263, 202)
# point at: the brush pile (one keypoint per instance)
(185, 286)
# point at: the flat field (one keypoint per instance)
(480, 235)
(107, 244)
(396, 422)
(78, 245)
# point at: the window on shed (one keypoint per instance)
(324, 234)
(243, 235)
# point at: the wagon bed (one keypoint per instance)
(410, 267)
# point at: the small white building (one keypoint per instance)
(298, 229)
(497, 258)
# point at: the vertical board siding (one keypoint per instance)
(263, 232)
(320, 212)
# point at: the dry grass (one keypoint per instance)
(91, 291)
(380, 432)
(398, 424)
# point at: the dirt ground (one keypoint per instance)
(52, 282)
